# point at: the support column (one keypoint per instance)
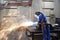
(57, 8)
(0, 18)
(36, 6)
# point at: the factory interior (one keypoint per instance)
(18, 20)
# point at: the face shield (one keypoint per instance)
(37, 14)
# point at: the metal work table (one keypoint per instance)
(32, 33)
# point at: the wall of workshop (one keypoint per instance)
(0, 15)
(48, 0)
(9, 0)
(44, 7)
(25, 11)
(3, 1)
(29, 12)
(14, 0)
(57, 8)
(47, 6)
(8, 17)
(36, 6)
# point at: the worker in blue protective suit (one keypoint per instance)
(42, 21)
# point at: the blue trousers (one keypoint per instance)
(46, 32)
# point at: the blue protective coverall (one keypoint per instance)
(46, 29)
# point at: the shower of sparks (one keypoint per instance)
(27, 23)
(22, 26)
(15, 26)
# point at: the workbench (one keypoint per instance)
(39, 33)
